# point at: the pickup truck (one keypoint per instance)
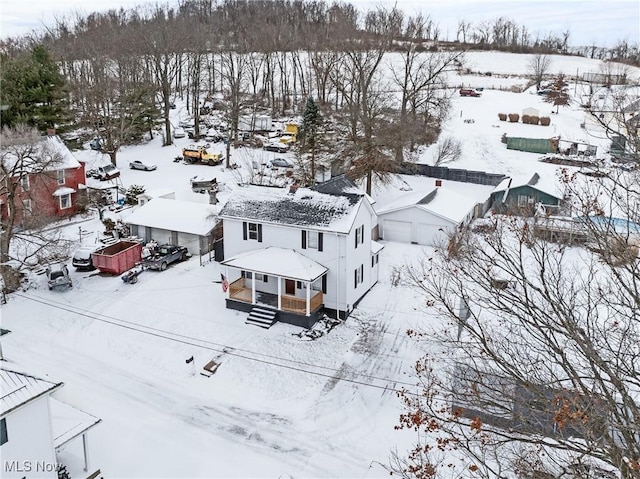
(164, 255)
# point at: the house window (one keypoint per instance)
(246, 274)
(374, 260)
(60, 175)
(262, 277)
(24, 182)
(312, 240)
(299, 284)
(65, 201)
(252, 231)
(358, 275)
(524, 200)
(359, 235)
(320, 284)
(4, 437)
(26, 206)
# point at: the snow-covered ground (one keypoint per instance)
(278, 406)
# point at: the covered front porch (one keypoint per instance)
(279, 278)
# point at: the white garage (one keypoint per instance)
(176, 222)
(425, 218)
(394, 230)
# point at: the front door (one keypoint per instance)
(290, 287)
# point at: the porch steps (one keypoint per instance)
(262, 316)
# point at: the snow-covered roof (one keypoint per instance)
(536, 182)
(441, 202)
(274, 261)
(305, 207)
(68, 422)
(45, 149)
(18, 389)
(376, 247)
(175, 215)
(65, 190)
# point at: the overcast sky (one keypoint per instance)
(601, 23)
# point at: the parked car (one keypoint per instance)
(57, 276)
(279, 163)
(82, 259)
(164, 255)
(469, 92)
(187, 123)
(179, 133)
(107, 172)
(276, 146)
(139, 165)
(96, 144)
(213, 135)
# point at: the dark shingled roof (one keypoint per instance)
(304, 208)
(338, 185)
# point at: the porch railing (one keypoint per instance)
(299, 305)
(239, 292)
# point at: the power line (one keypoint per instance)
(229, 350)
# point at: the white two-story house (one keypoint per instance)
(292, 255)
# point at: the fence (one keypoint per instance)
(451, 174)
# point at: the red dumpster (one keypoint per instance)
(118, 257)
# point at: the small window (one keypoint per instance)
(358, 275)
(24, 182)
(524, 200)
(262, 277)
(359, 235)
(312, 239)
(65, 202)
(60, 175)
(4, 437)
(26, 206)
(252, 231)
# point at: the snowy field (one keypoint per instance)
(278, 406)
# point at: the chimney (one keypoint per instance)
(213, 196)
(51, 132)
(438, 183)
(293, 188)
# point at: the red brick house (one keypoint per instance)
(50, 188)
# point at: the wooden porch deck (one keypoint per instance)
(292, 304)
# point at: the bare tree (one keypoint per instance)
(543, 332)
(422, 80)
(448, 150)
(28, 164)
(234, 67)
(539, 66)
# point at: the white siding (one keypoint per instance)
(339, 255)
(30, 442)
(425, 227)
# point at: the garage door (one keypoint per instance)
(396, 231)
(431, 235)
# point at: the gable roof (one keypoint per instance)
(49, 145)
(18, 389)
(305, 207)
(338, 185)
(275, 261)
(534, 181)
(446, 204)
(175, 215)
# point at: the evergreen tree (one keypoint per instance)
(32, 90)
(311, 123)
